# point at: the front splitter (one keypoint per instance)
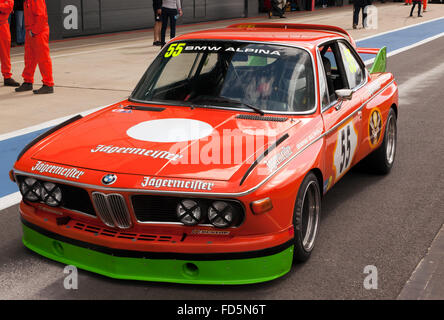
(233, 271)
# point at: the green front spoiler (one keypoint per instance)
(235, 271)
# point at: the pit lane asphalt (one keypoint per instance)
(386, 221)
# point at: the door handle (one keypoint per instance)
(339, 105)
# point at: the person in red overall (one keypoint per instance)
(424, 5)
(408, 2)
(6, 7)
(37, 47)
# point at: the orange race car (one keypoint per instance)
(213, 171)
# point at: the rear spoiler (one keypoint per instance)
(380, 62)
(314, 27)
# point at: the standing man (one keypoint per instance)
(170, 9)
(19, 22)
(359, 5)
(416, 2)
(424, 5)
(157, 5)
(6, 7)
(37, 47)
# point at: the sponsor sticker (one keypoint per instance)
(211, 232)
(175, 183)
(43, 167)
(374, 128)
(156, 154)
(122, 110)
(274, 162)
(327, 184)
(215, 48)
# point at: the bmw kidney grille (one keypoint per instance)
(112, 210)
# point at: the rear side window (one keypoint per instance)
(353, 70)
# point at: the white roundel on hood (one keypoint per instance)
(170, 130)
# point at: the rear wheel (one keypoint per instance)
(382, 159)
(306, 217)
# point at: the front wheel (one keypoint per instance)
(382, 159)
(306, 217)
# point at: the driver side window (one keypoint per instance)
(353, 70)
(333, 69)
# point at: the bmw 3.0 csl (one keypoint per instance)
(213, 171)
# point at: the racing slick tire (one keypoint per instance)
(382, 159)
(306, 217)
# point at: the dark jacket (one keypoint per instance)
(157, 4)
(18, 5)
(361, 3)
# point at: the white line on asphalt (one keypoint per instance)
(10, 200)
(398, 29)
(397, 51)
(88, 45)
(90, 51)
(138, 45)
(145, 38)
(45, 125)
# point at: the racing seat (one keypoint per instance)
(328, 75)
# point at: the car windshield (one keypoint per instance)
(230, 74)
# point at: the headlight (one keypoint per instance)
(221, 214)
(51, 194)
(30, 189)
(189, 212)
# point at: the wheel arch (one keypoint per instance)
(320, 177)
(395, 108)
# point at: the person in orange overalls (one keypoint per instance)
(424, 5)
(37, 47)
(6, 7)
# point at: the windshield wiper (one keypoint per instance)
(227, 100)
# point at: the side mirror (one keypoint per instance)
(344, 94)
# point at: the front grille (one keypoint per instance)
(148, 208)
(77, 199)
(151, 208)
(112, 210)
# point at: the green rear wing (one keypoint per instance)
(380, 62)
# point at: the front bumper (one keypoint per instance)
(131, 266)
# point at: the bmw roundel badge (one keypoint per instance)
(109, 179)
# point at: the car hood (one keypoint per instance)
(171, 141)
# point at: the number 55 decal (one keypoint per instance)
(345, 148)
(174, 50)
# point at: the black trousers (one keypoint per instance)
(356, 9)
(275, 10)
(170, 14)
(413, 7)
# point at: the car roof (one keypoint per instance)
(303, 35)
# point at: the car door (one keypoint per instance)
(342, 118)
